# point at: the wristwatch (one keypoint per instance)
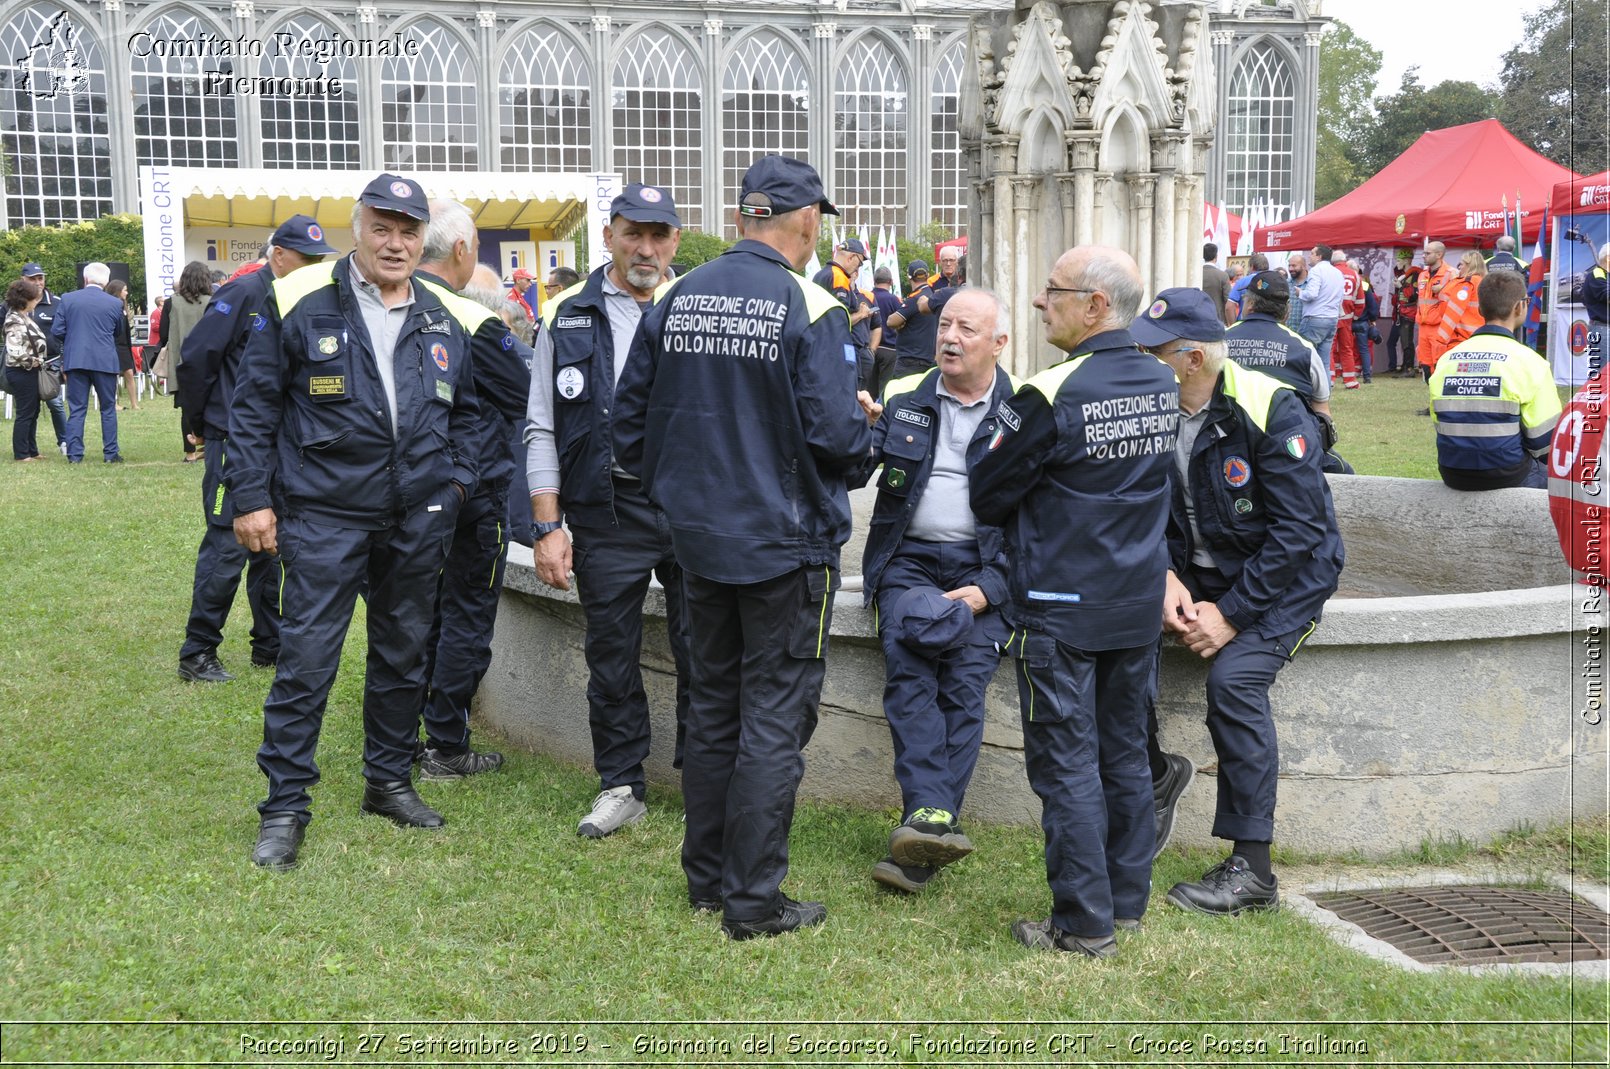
(543, 528)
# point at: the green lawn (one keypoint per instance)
(127, 800)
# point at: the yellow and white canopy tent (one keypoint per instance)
(222, 215)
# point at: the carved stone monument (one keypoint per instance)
(1084, 122)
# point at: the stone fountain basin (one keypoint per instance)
(1443, 693)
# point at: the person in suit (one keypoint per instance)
(89, 322)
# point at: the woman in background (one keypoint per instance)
(124, 340)
(25, 351)
(182, 312)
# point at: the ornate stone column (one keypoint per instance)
(920, 129)
(823, 153)
(603, 108)
(1307, 129)
(1083, 152)
(120, 107)
(1188, 211)
(1020, 296)
(371, 111)
(490, 108)
(1067, 189)
(248, 114)
(1142, 187)
(711, 127)
(1213, 159)
(1166, 150)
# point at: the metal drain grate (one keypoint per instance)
(1475, 925)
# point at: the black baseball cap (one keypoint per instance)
(777, 184)
(32, 271)
(393, 193)
(645, 204)
(1178, 313)
(926, 622)
(916, 267)
(302, 233)
(853, 245)
(1271, 284)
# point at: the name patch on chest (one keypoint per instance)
(327, 385)
(444, 390)
(917, 418)
(436, 328)
(571, 323)
(1010, 418)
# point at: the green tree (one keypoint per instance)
(1402, 117)
(1348, 69)
(1556, 85)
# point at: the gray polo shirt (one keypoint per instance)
(945, 512)
(384, 325)
(542, 455)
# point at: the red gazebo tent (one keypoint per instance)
(1449, 186)
(1581, 194)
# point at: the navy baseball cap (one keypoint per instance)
(1178, 313)
(393, 193)
(302, 233)
(645, 204)
(915, 266)
(32, 271)
(926, 622)
(1271, 284)
(774, 185)
(854, 245)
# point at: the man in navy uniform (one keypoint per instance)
(1254, 553)
(621, 537)
(738, 410)
(353, 433)
(207, 375)
(838, 278)
(917, 321)
(925, 549)
(472, 578)
(1077, 473)
(88, 322)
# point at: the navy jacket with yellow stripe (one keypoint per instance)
(1078, 477)
(309, 429)
(1262, 505)
(903, 444)
(737, 409)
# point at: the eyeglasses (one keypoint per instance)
(1164, 353)
(1049, 289)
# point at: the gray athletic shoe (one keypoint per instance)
(611, 810)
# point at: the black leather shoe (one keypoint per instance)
(705, 905)
(279, 837)
(1043, 935)
(1166, 794)
(792, 916)
(203, 668)
(1226, 889)
(264, 660)
(908, 878)
(112, 460)
(397, 801)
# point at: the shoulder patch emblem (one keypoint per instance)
(438, 353)
(224, 306)
(328, 345)
(1297, 446)
(1243, 506)
(570, 382)
(259, 321)
(506, 342)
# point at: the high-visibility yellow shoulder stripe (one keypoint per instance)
(290, 290)
(1014, 382)
(665, 287)
(470, 314)
(906, 384)
(1049, 381)
(818, 301)
(551, 309)
(1253, 390)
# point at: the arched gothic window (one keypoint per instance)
(53, 120)
(545, 104)
(1259, 131)
(869, 130)
(656, 100)
(427, 103)
(765, 107)
(950, 179)
(308, 130)
(177, 121)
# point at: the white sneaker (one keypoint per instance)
(611, 809)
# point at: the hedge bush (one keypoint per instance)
(60, 249)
